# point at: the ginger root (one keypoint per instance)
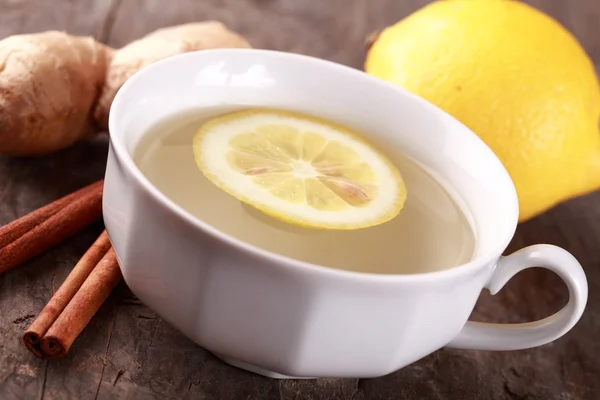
(156, 46)
(56, 89)
(49, 84)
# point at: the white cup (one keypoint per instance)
(281, 317)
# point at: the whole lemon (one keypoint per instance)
(513, 75)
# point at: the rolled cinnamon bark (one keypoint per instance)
(65, 293)
(81, 211)
(82, 307)
(17, 228)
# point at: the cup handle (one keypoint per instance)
(486, 336)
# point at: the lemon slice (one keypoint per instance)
(299, 169)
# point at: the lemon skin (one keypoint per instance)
(513, 75)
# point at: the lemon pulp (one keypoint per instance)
(299, 169)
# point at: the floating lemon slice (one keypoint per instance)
(299, 169)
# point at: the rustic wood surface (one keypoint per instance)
(127, 352)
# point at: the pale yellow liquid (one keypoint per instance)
(430, 234)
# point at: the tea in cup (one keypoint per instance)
(284, 300)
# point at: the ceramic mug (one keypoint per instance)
(281, 317)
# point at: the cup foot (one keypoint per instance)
(257, 370)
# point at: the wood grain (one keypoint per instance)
(127, 352)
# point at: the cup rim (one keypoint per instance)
(125, 158)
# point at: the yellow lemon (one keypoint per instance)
(513, 75)
(300, 169)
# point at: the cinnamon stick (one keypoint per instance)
(83, 210)
(58, 302)
(82, 307)
(19, 227)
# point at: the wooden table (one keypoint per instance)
(127, 352)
